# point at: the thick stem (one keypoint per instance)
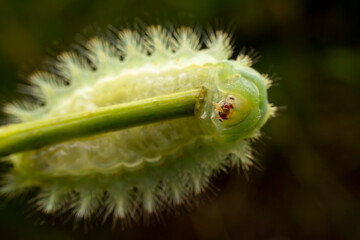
(27, 136)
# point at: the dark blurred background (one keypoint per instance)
(309, 185)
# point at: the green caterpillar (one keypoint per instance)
(143, 169)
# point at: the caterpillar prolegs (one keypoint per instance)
(147, 168)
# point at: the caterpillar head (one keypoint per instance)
(239, 102)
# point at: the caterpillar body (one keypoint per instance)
(144, 169)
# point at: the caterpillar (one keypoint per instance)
(144, 169)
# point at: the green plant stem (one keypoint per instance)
(32, 135)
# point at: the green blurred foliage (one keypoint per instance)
(309, 185)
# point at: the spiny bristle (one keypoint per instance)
(10, 184)
(87, 203)
(120, 201)
(13, 185)
(52, 199)
(243, 153)
(177, 193)
(46, 80)
(245, 60)
(219, 45)
(267, 80)
(272, 110)
(255, 136)
(22, 111)
(101, 53)
(131, 46)
(149, 200)
(159, 43)
(197, 182)
(119, 204)
(186, 41)
(46, 86)
(73, 68)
